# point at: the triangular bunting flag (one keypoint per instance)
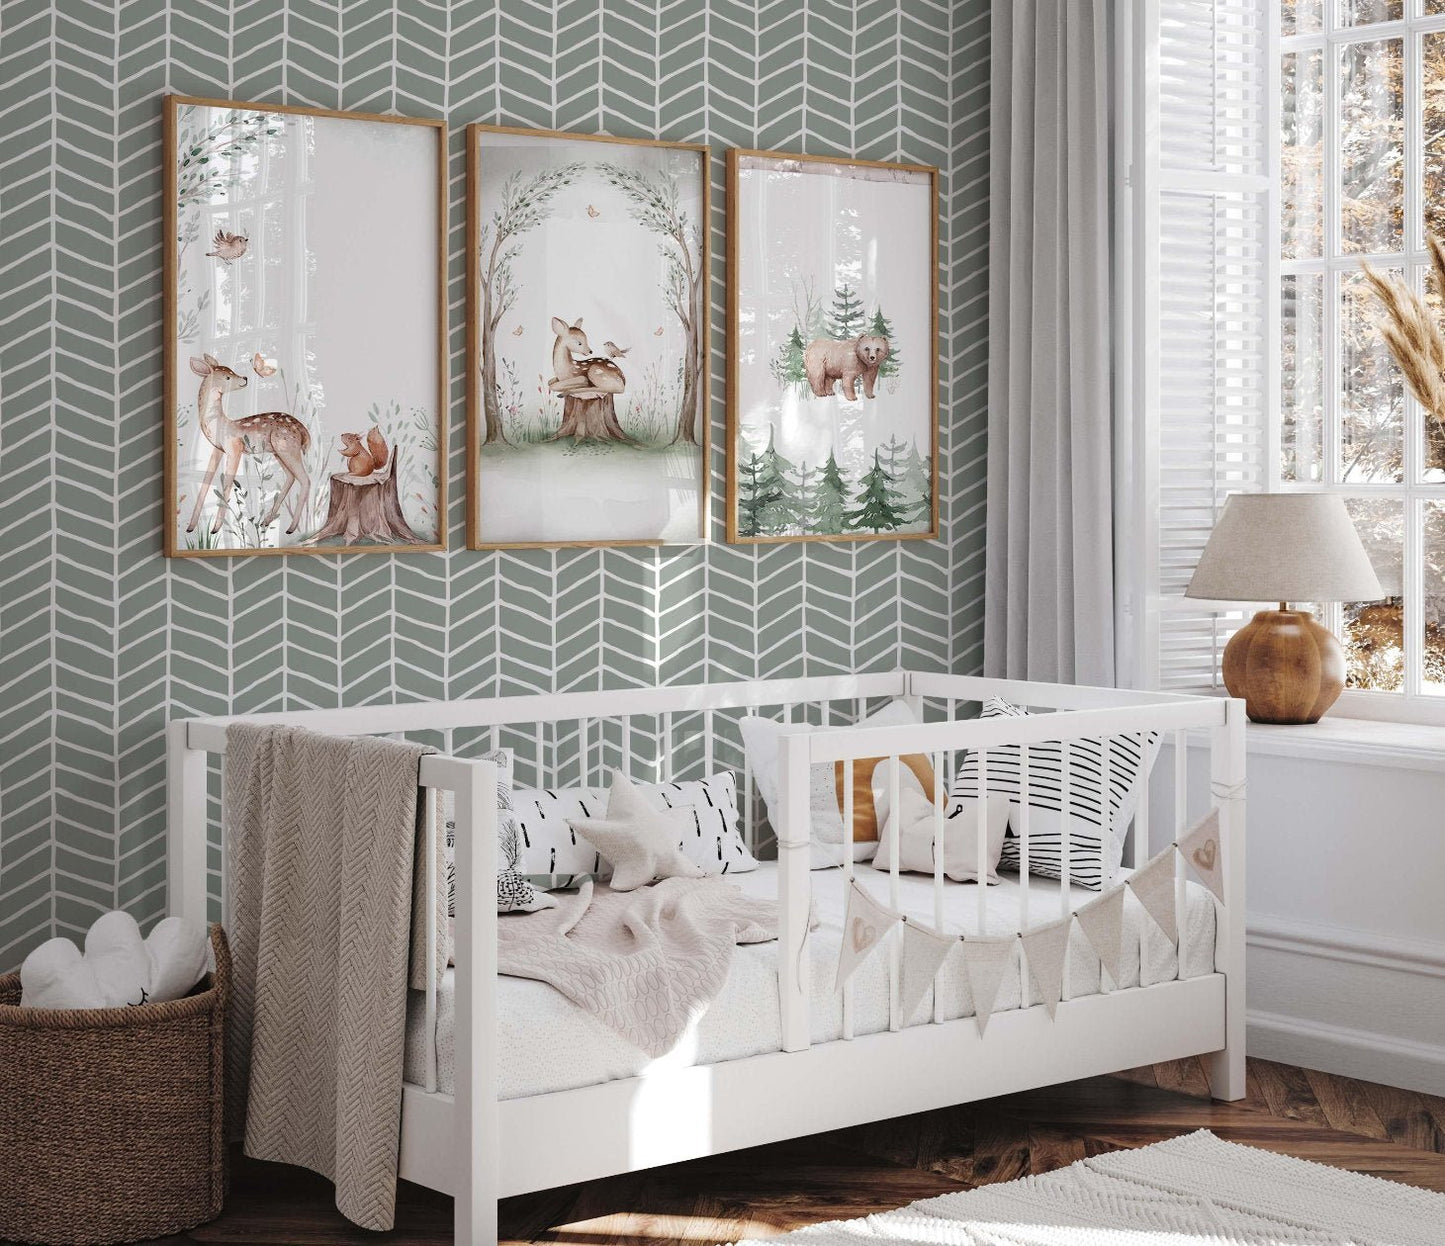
(1045, 948)
(864, 927)
(924, 952)
(1204, 852)
(1154, 885)
(986, 961)
(1102, 921)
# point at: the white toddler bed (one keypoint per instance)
(778, 1054)
(545, 1043)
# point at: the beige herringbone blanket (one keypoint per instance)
(645, 962)
(323, 867)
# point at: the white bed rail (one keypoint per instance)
(1082, 714)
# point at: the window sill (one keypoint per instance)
(1348, 741)
(1353, 741)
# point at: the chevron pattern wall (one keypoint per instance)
(102, 640)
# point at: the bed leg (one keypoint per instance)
(1226, 1072)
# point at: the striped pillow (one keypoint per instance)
(1130, 759)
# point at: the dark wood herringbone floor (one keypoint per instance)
(1390, 1133)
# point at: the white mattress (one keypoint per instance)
(547, 1043)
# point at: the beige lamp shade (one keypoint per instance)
(1284, 547)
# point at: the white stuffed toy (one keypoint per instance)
(118, 967)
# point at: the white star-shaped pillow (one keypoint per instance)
(639, 841)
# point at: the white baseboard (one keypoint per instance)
(1350, 1002)
(1363, 1054)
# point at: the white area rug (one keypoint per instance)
(1196, 1190)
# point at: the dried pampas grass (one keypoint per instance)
(1414, 337)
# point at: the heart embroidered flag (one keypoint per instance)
(1200, 846)
(1154, 885)
(924, 951)
(1045, 947)
(986, 961)
(865, 925)
(1102, 921)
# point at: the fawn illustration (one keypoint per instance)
(276, 433)
(589, 372)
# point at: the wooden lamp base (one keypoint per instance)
(1286, 666)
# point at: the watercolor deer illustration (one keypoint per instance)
(275, 432)
(588, 372)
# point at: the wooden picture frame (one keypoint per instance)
(299, 201)
(814, 381)
(564, 461)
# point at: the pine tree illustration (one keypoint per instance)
(753, 496)
(806, 489)
(830, 500)
(893, 449)
(881, 325)
(915, 482)
(846, 318)
(878, 505)
(782, 509)
(787, 365)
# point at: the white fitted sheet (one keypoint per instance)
(546, 1043)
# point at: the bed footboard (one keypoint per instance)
(1084, 717)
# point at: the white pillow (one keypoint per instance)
(1130, 760)
(960, 836)
(553, 854)
(825, 818)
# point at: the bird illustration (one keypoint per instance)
(614, 351)
(657, 332)
(593, 212)
(517, 332)
(262, 366)
(228, 247)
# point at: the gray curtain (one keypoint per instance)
(1049, 612)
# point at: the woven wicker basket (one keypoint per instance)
(111, 1118)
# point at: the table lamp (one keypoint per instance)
(1284, 547)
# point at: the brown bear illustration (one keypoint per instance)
(827, 360)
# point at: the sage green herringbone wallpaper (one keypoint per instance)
(102, 640)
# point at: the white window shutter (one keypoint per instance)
(1201, 312)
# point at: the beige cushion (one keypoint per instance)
(960, 837)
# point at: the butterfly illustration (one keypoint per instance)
(657, 332)
(517, 332)
(593, 212)
(262, 366)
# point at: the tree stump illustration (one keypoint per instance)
(366, 508)
(590, 413)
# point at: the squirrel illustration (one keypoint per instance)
(362, 460)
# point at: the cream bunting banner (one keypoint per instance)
(1045, 947)
(1200, 847)
(865, 925)
(1154, 885)
(986, 961)
(924, 951)
(1102, 921)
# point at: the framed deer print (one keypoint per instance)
(587, 272)
(832, 349)
(305, 349)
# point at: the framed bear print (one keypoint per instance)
(587, 319)
(832, 349)
(305, 349)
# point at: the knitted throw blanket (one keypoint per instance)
(322, 862)
(645, 962)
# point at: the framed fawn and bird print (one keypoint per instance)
(305, 360)
(587, 269)
(832, 349)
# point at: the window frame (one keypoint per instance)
(1411, 703)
